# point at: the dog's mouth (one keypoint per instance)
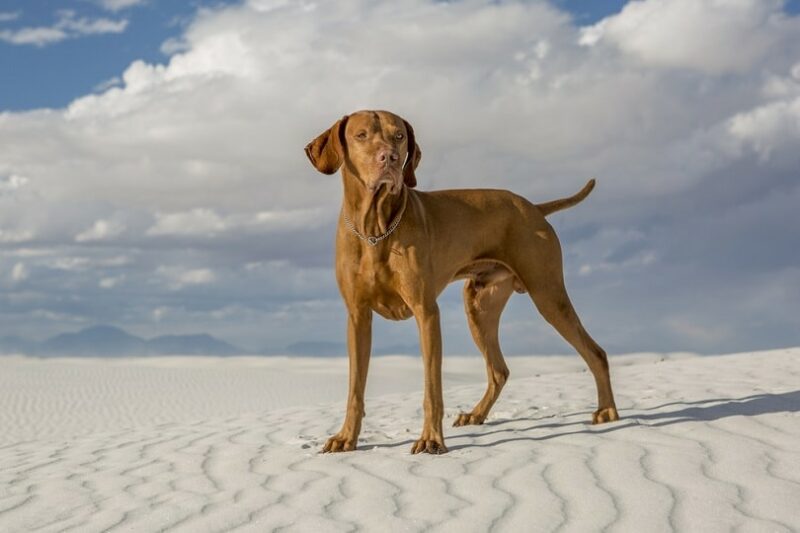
(391, 179)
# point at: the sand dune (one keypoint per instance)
(189, 444)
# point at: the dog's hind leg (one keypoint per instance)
(540, 269)
(483, 305)
(553, 303)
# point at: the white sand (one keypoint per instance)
(205, 444)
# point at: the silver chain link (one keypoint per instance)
(373, 241)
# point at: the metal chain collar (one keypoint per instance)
(371, 240)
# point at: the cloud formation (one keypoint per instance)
(68, 25)
(118, 5)
(101, 230)
(6, 16)
(179, 277)
(710, 36)
(193, 169)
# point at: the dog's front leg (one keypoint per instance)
(359, 343)
(430, 336)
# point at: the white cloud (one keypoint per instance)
(19, 273)
(770, 127)
(12, 183)
(640, 260)
(105, 85)
(712, 36)
(159, 312)
(40, 36)
(110, 282)
(67, 26)
(101, 230)
(15, 236)
(57, 318)
(6, 16)
(70, 263)
(117, 5)
(87, 26)
(173, 46)
(289, 219)
(198, 221)
(179, 277)
(206, 222)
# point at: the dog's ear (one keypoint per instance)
(326, 152)
(414, 155)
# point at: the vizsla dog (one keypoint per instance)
(397, 248)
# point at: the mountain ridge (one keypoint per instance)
(110, 341)
(104, 340)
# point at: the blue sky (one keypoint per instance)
(54, 74)
(152, 174)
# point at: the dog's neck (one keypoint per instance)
(371, 213)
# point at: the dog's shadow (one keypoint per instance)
(715, 409)
(698, 411)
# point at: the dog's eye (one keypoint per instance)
(399, 136)
(362, 135)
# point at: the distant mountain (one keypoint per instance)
(110, 341)
(202, 344)
(94, 341)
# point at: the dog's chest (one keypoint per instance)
(381, 286)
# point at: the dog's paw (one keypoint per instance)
(340, 443)
(468, 419)
(605, 414)
(433, 445)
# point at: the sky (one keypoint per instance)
(152, 173)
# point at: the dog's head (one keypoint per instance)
(377, 147)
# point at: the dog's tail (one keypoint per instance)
(563, 203)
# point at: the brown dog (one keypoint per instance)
(397, 249)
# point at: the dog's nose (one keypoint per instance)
(385, 156)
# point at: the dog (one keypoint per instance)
(398, 247)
